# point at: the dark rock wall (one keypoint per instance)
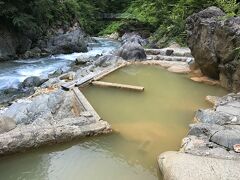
(15, 45)
(214, 39)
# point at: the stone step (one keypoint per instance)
(170, 58)
(182, 52)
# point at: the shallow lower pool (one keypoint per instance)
(145, 123)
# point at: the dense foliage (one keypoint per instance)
(166, 18)
(39, 15)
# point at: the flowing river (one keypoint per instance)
(14, 72)
(145, 124)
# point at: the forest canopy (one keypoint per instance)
(165, 19)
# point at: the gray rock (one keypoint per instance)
(56, 73)
(206, 129)
(44, 133)
(227, 138)
(32, 81)
(213, 42)
(169, 52)
(133, 37)
(82, 60)
(212, 117)
(69, 42)
(132, 51)
(50, 107)
(7, 96)
(68, 76)
(6, 124)
(229, 109)
(181, 166)
(35, 52)
(200, 146)
(107, 60)
(51, 82)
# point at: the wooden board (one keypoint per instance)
(105, 73)
(82, 100)
(90, 77)
(116, 85)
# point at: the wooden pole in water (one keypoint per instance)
(115, 85)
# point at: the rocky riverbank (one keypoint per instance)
(211, 149)
(214, 40)
(15, 45)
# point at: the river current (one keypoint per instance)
(14, 72)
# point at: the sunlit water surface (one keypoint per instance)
(145, 123)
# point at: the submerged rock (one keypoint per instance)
(214, 43)
(179, 69)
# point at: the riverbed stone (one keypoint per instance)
(181, 166)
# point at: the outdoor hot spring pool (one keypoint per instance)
(145, 124)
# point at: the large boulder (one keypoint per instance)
(132, 51)
(65, 42)
(134, 37)
(32, 81)
(214, 42)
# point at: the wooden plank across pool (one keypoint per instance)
(91, 77)
(116, 85)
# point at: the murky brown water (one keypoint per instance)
(146, 124)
